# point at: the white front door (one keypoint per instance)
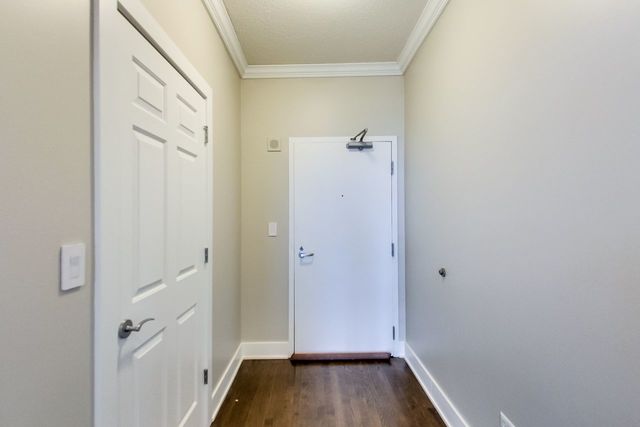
(343, 236)
(153, 180)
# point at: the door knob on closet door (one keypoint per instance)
(127, 327)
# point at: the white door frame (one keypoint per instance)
(397, 344)
(105, 397)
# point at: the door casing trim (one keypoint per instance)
(105, 322)
(399, 245)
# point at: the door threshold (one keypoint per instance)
(339, 357)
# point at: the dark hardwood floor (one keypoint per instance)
(279, 393)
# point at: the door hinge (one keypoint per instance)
(393, 332)
(206, 134)
(393, 249)
(393, 167)
(205, 376)
(206, 255)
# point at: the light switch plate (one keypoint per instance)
(273, 229)
(72, 262)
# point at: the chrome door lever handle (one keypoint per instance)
(127, 327)
(302, 254)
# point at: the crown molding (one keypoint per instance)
(362, 69)
(222, 21)
(220, 17)
(427, 20)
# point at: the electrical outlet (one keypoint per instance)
(505, 422)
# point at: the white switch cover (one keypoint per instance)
(72, 266)
(273, 229)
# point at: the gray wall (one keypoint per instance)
(284, 108)
(45, 187)
(523, 149)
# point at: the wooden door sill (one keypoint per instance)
(339, 357)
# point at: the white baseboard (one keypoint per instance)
(442, 403)
(266, 350)
(245, 351)
(222, 388)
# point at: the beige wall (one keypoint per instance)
(522, 147)
(190, 27)
(284, 108)
(45, 187)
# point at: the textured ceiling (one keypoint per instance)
(323, 31)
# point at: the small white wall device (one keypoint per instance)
(273, 145)
(72, 266)
(273, 229)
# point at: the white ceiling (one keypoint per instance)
(275, 32)
(323, 38)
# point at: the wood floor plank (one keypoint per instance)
(337, 394)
